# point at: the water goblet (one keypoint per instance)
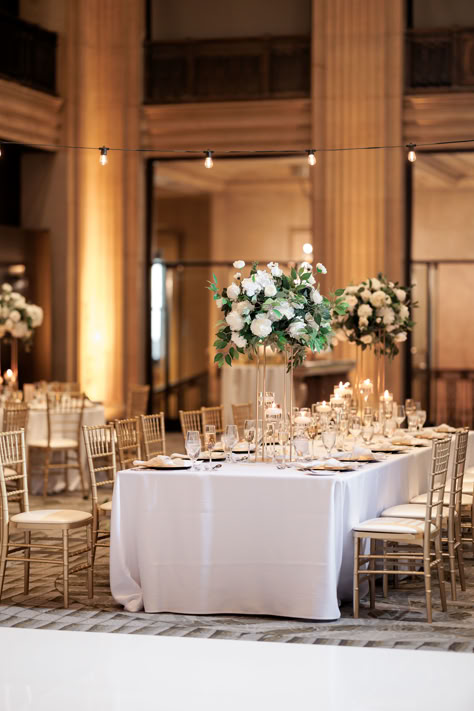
(301, 443)
(210, 440)
(230, 438)
(193, 447)
(400, 416)
(343, 429)
(390, 427)
(328, 436)
(412, 421)
(367, 433)
(421, 418)
(409, 406)
(249, 436)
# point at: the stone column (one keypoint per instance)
(104, 101)
(357, 89)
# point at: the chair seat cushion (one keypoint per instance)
(467, 487)
(48, 516)
(107, 506)
(393, 525)
(8, 471)
(58, 443)
(405, 511)
(466, 500)
(469, 474)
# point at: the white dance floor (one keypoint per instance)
(55, 670)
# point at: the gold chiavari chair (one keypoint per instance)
(128, 441)
(191, 420)
(12, 455)
(240, 413)
(407, 534)
(153, 434)
(100, 449)
(213, 416)
(64, 416)
(137, 400)
(15, 418)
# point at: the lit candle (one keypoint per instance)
(302, 420)
(337, 401)
(9, 377)
(323, 408)
(273, 412)
(386, 397)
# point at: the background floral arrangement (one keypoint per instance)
(17, 317)
(378, 315)
(271, 307)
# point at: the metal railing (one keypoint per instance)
(27, 54)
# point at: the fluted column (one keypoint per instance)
(357, 101)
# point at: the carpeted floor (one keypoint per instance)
(397, 622)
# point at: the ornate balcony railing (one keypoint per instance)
(440, 59)
(27, 54)
(227, 70)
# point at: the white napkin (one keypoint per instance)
(358, 452)
(161, 460)
(403, 439)
(445, 428)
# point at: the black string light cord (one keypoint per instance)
(311, 153)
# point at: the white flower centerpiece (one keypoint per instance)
(378, 315)
(18, 318)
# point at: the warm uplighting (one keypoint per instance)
(312, 160)
(411, 152)
(307, 248)
(103, 160)
(208, 163)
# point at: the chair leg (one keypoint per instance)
(95, 527)
(356, 577)
(440, 566)
(26, 582)
(372, 577)
(3, 556)
(451, 557)
(66, 567)
(385, 575)
(46, 472)
(427, 578)
(90, 563)
(460, 555)
(85, 494)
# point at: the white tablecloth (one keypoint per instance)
(248, 538)
(239, 386)
(37, 429)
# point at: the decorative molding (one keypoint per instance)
(438, 117)
(28, 115)
(273, 124)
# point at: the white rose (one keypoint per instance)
(365, 295)
(404, 312)
(239, 264)
(400, 337)
(233, 291)
(19, 330)
(375, 284)
(391, 284)
(36, 315)
(286, 310)
(400, 294)
(261, 326)
(387, 314)
(7, 288)
(296, 329)
(270, 290)
(311, 280)
(306, 266)
(264, 278)
(235, 321)
(350, 290)
(237, 275)
(321, 268)
(8, 324)
(363, 322)
(242, 307)
(389, 329)
(367, 338)
(250, 286)
(275, 269)
(15, 316)
(239, 341)
(352, 302)
(316, 297)
(219, 303)
(365, 311)
(378, 299)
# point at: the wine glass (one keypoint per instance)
(210, 440)
(249, 436)
(193, 447)
(409, 406)
(390, 427)
(230, 438)
(328, 435)
(312, 432)
(355, 427)
(367, 433)
(400, 416)
(284, 437)
(343, 427)
(421, 418)
(412, 421)
(301, 444)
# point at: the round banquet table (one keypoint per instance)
(37, 429)
(249, 538)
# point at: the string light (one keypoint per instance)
(208, 163)
(0, 150)
(312, 160)
(411, 152)
(103, 160)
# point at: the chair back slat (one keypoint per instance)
(437, 483)
(137, 400)
(240, 413)
(457, 477)
(65, 413)
(15, 416)
(191, 420)
(100, 449)
(213, 416)
(153, 434)
(13, 456)
(128, 441)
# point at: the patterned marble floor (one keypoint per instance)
(397, 622)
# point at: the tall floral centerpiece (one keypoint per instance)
(18, 320)
(378, 318)
(286, 312)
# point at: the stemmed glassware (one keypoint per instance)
(390, 427)
(412, 421)
(355, 427)
(301, 444)
(421, 418)
(210, 440)
(410, 406)
(400, 415)
(249, 436)
(343, 429)
(284, 437)
(367, 432)
(328, 436)
(312, 433)
(193, 447)
(230, 438)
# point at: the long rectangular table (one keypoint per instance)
(248, 538)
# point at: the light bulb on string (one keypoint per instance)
(208, 163)
(312, 160)
(103, 160)
(411, 153)
(0, 150)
